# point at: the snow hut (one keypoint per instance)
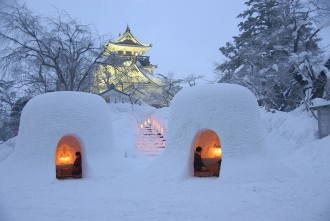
(55, 125)
(223, 119)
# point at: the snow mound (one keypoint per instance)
(231, 111)
(7, 148)
(49, 117)
(126, 117)
(296, 127)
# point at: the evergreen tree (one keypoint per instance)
(276, 55)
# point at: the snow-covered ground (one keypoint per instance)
(132, 194)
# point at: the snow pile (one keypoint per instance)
(292, 139)
(317, 102)
(127, 117)
(296, 127)
(161, 115)
(49, 117)
(231, 111)
(7, 148)
(123, 191)
(159, 120)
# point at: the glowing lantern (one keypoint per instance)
(148, 121)
(141, 126)
(145, 123)
(64, 158)
(217, 152)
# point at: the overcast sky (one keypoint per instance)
(186, 35)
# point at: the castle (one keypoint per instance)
(124, 68)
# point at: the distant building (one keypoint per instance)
(115, 96)
(126, 68)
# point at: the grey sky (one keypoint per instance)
(186, 35)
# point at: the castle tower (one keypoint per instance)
(127, 69)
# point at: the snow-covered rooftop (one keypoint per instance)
(319, 102)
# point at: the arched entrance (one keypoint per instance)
(211, 153)
(66, 154)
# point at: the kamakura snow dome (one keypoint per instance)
(226, 114)
(55, 125)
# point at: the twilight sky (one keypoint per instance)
(186, 35)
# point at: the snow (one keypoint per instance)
(231, 111)
(7, 148)
(281, 174)
(324, 24)
(49, 117)
(275, 67)
(317, 102)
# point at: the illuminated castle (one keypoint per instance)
(126, 69)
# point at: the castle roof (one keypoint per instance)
(129, 39)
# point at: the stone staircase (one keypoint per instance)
(151, 142)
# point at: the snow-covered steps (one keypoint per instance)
(151, 142)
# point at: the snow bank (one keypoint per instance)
(161, 115)
(126, 118)
(7, 148)
(159, 120)
(231, 111)
(123, 197)
(295, 128)
(292, 138)
(317, 102)
(49, 117)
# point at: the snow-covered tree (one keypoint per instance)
(170, 88)
(12, 100)
(276, 55)
(50, 53)
(191, 79)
